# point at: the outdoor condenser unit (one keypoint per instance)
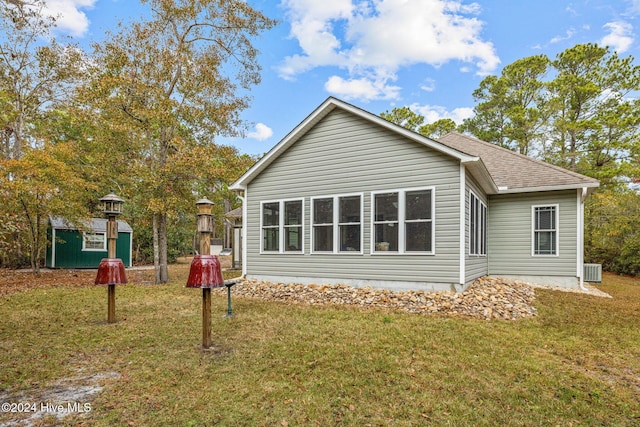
(593, 273)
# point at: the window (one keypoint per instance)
(337, 224)
(293, 225)
(545, 230)
(271, 227)
(403, 221)
(477, 226)
(94, 242)
(282, 226)
(323, 225)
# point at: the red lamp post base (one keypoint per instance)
(205, 272)
(111, 272)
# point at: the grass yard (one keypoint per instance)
(577, 363)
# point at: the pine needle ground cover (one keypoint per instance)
(576, 363)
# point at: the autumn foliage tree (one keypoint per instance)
(176, 82)
(34, 75)
(42, 183)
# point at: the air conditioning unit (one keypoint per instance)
(593, 273)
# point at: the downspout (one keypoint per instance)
(463, 227)
(243, 198)
(581, 198)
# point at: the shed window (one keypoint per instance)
(337, 224)
(94, 242)
(403, 221)
(282, 226)
(477, 226)
(545, 230)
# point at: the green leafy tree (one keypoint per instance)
(173, 84)
(595, 113)
(612, 230)
(438, 128)
(512, 108)
(407, 118)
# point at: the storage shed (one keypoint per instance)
(70, 247)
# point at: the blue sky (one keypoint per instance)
(380, 54)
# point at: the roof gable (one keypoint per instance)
(321, 112)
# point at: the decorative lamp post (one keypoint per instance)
(111, 269)
(205, 270)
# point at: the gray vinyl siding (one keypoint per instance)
(475, 265)
(510, 246)
(344, 154)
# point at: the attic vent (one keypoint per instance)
(593, 273)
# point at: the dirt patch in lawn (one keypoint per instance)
(60, 399)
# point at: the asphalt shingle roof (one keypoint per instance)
(96, 225)
(513, 171)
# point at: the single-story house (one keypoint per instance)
(348, 197)
(70, 247)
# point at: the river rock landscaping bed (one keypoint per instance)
(486, 298)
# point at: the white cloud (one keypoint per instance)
(362, 88)
(433, 113)
(620, 36)
(261, 132)
(568, 34)
(69, 18)
(429, 85)
(372, 40)
(635, 6)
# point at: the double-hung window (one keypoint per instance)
(281, 226)
(545, 230)
(403, 221)
(337, 224)
(94, 242)
(477, 226)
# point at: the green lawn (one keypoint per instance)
(576, 363)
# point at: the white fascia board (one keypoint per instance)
(481, 174)
(589, 186)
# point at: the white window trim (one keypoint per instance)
(335, 224)
(281, 226)
(104, 242)
(402, 221)
(483, 223)
(533, 229)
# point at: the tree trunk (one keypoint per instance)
(17, 140)
(36, 255)
(162, 242)
(156, 250)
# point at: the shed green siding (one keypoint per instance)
(69, 254)
(345, 154)
(510, 235)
